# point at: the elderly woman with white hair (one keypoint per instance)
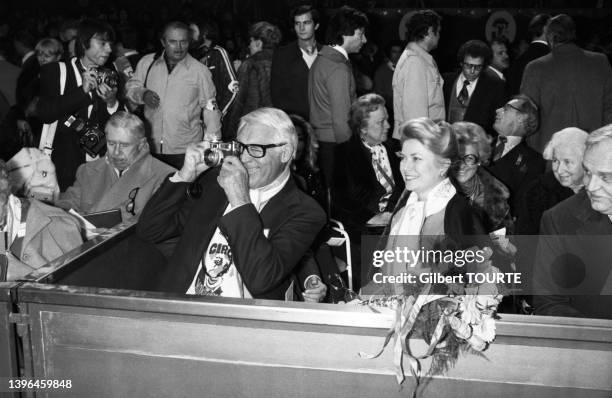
(565, 150)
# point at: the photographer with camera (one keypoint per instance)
(242, 227)
(80, 95)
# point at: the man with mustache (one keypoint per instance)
(82, 97)
(178, 96)
(125, 179)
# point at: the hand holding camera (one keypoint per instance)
(194, 163)
(108, 94)
(90, 81)
(234, 180)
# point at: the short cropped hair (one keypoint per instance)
(468, 133)
(270, 35)
(305, 9)
(568, 137)
(175, 25)
(537, 24)
(127, 121)
(475, 49)
(436, 137)
(344, 23)
(275, 119)
(361, 109)
(418, 25)
(561, 29)
(87, 29)
(49, 46)
(531, 111)
(601, 134)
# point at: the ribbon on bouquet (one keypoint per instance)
(406, 314)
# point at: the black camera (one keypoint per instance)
(92, 139)
(107, 76)
(214, 155)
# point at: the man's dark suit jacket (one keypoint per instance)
(516, 169)
(266, 247)
(515, 74)
(357, 191)
(572, 269)
(67, 154)
(26, 82)
(572, 87)
(486, 98)
(289, 80)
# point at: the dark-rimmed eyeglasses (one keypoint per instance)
(475, 68)
(131, 205)
(470, 160)
(258, 150)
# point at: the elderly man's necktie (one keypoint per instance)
(464, 96)
(499, 148)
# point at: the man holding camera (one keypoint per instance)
(89, 95)
(178, 94)
(244, 226)
(124, 179)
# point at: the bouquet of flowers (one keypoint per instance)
(453, 318)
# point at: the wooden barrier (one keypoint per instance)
(132, 343)
(114, 343)
(8, 339)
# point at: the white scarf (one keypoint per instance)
(409, 220)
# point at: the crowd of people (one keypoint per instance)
(241, 165)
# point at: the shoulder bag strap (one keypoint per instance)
(48, 130)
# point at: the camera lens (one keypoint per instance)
(213, 158)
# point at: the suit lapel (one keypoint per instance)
(203, 222)
(136, 176)
(478, 95)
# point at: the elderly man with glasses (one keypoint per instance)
(124, 179)
(242, 227)
(513, 162)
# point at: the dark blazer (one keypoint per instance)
(515, 73)
(266, 247)
(67, 154)
(538, 196)
(486, 98)
(516, 169)
(572, 87)
(463, 228)
(26, 82)
(357, 191)
(289, 80)
(572, 268)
